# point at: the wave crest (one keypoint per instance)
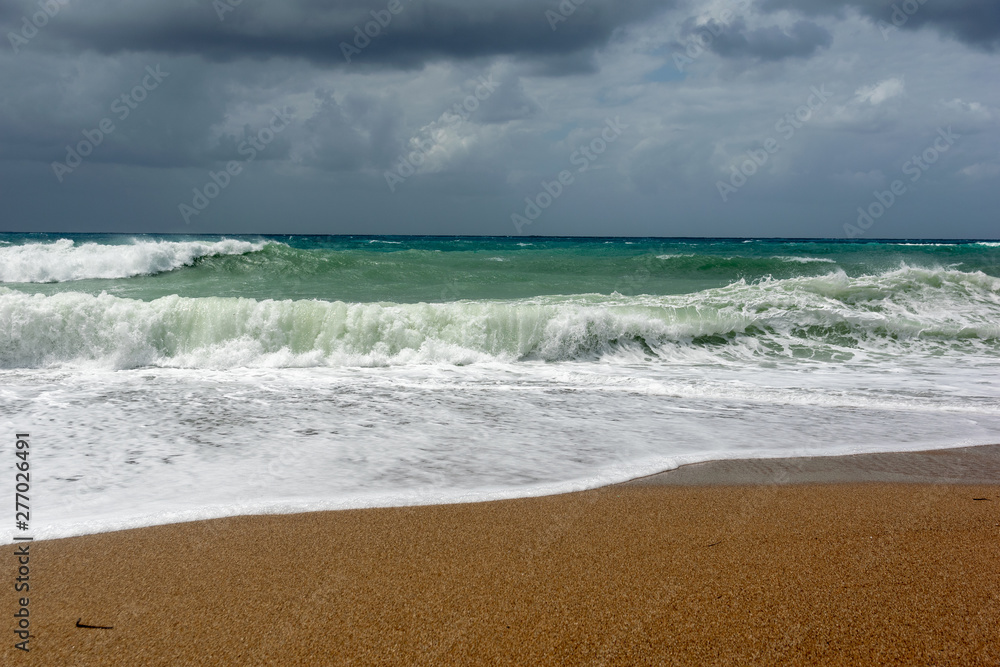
(824, 318)
(64, 260)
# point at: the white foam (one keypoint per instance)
(807, 260)
(930, 245)
(905, 311)
(238, 406)
(114, 450)
(64, 260)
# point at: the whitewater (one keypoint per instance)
(167, 379)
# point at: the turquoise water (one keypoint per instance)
(435, 269)
(170, 378)
(218, 302)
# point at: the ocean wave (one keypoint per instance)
(64, 260)
(807, 260)
(752, 260)
(928, 245)
(740, 265)
(824, 318)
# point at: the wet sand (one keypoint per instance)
(890, 559)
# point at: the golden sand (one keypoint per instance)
(799, 574)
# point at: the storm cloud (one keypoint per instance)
(441, 116)
(736, 40)
(974, 22)
(396, 33)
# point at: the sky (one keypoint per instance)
(747, 118)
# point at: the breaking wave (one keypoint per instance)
(64, 260)
(829, 318)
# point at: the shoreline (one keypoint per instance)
(894, 561)
(974, 464)
(970, 464)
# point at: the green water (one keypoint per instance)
(439, 269)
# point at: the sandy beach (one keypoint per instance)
(877, 559)
(500, 332)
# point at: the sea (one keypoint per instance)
(172, 378)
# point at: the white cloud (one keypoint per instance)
(974, 109)
(981, 170)
(881, 91)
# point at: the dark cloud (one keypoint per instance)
(734, 40)
(974, 22)
(352, 122)
(419, 31)
(50, 106)
(362, 131)
(509, 102)
(566, 64)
